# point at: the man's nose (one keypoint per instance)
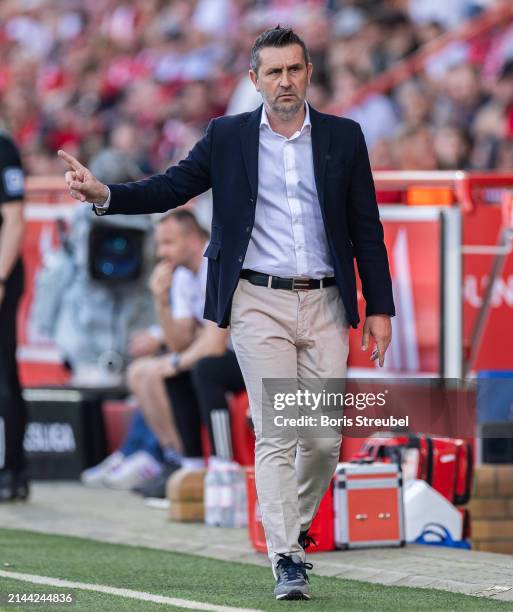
(284, 81)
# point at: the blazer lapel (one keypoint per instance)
(249, 135)
(320, 148)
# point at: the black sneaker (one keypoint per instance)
(305, 540)
(13, 485)
(292, 581)
(156, 486)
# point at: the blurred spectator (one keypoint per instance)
(143, 375)
(452, 147)
(375, 114)
(504, 97)
(493, 124)
(382, 155)
(414, 101)
(398, 38)
(461, 97)
(505, 156)
(200, 367)
(415, 150)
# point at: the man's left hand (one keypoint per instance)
(380, 328)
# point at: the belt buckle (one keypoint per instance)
(301, 284)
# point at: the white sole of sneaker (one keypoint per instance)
(293, 595)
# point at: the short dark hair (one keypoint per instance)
(187, 221)
(276, 37)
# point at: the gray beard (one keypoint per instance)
(287, 112)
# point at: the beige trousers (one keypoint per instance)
(284, 334)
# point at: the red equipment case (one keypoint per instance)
(446, 464)
(368, 505)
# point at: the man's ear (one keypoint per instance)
(309, 70)
(254, 79)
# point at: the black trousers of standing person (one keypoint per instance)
(13, 414)
(199, 397)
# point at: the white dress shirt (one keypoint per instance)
(288, 237)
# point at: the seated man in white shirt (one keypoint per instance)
(201, 365)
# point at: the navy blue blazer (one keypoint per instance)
(226, 160)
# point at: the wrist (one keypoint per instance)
(162, 301)
(105, 195)
(175, 361)
(103, 200)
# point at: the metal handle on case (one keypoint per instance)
(361, 517)
(384, 515)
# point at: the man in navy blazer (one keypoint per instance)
(293, 205)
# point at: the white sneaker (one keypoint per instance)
(133, 471)
(93, 477)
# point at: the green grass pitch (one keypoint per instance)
(194, 578)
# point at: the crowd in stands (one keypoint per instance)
(145, 76)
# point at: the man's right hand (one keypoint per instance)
(82, 184)
(160, 282)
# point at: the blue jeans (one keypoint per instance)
(141, 438)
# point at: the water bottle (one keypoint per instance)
(241, 499)
(226, 495)
(212, 496)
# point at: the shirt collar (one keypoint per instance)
(264, 120)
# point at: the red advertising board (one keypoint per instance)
(413, 247)
(481, 228)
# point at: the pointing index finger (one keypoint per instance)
(70, 160)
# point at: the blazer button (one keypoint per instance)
(248, 228)
(240, 259)
(251, 200)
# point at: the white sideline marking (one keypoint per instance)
(141, 595)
